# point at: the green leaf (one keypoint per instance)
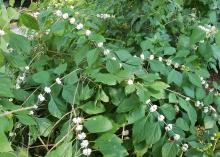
(64, 150)
(42, 77)
(176, 77)
(53, 109)
(5, 87)
(19, 43)
(128, 104)
(112, 66)
(102, 96)
(11, 2)
(71, 79)
(86, 93)
(196, 36)
(169, 111)
(194, 79)
(45, 126)
(92, 56)
(26, 119)
(98, 124)
(60, 69)
(146, 129)
(110, 146)
(2, 58)
(96, 38)
(136, 114)
(4, 144)
(68, 93)
(29, 21)
(153, 132)
(123, 55)
(181, 123)
(209, 122)
(93, 108)
(107, 79)
(172, 98)
(169, 50)
(189, 109)
(169, 150)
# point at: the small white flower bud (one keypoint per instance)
(169, 62)
(87, 151)
(47, 89)
(130, 82)
(77, 120)
(206, 85)
(88, 32)
(114, 59)
(148, 101)
(81, 136)
(169, 127)
(198, 103)
(151, 57)
(2, 33)
(206, 110)
(160, 59)
(125, 132)
(153, 108)
(84, 144)
(185, 147)
(41, 98)
(17, 86)
(72, 20)
(142, 56)
(10, 99)
(187, 99)
(176, 65)
(79, 127)
(35, 106)
(58, 13)
(161, 118)
(79, 26)
(65, 16)
(203, 82)
(176, 137)
(106, 52)
(100, 44)
(27, 68)
(58, 81)
(31, 112)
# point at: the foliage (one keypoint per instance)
(133, 77)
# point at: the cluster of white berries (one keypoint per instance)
(209, 30)
(2, 33)
(80, 26)
(81, 136)
(21, 78)
(206, 86)
(168, 127)
(47, 90)
(105, 16)
(35, 14)
(168, 62)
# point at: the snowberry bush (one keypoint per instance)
(110, 78)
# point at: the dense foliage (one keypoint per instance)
(110, 78)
